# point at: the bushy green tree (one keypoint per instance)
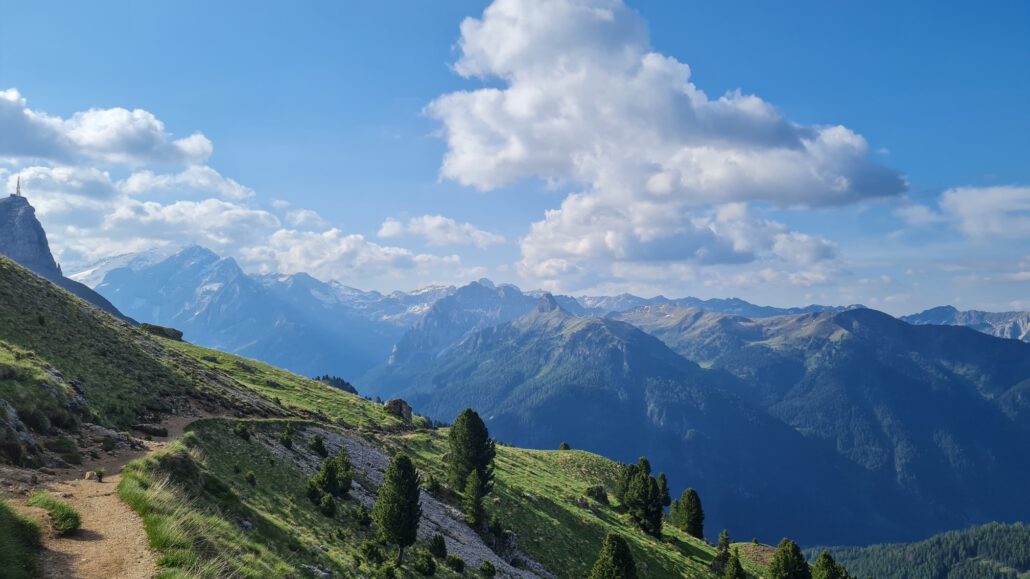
(643, 501)
(564, 446)
(472, 499)
(425, 564)
(615, 561)
(693, 514)
(627, 474)
(438, 546)
(335, 476)
(826, 568)
(471, 448)
(734, 570)
(397, 508)
(788, 562)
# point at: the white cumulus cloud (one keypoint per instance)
(583, 100)
(439, 230)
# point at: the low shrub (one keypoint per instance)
(251, 478)
(241, 430)
(598, 493)
(424, 563)
(487, 569)
(438, 547)
(372, 553)
(455, 563)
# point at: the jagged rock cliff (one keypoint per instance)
(23, 240)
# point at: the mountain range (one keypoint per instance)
(1014, 325)
(899, 429)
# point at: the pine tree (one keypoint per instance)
(471, 449)
(397, 509)
(472, 501)
(734, 570)
(615, 560)
(788, 562)
(693, 514)
(643, 501)
(663, 486)
(336, 475)
(826, 568)
(722, 554)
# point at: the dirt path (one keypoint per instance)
(110, 543)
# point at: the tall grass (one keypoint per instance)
(19, 544)
(63, 516)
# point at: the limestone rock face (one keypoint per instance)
(22, 237)
(23, 240)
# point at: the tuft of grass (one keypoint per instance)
(63, 516)
(19, 544)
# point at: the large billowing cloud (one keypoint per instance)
(584, 102)
(115, 135)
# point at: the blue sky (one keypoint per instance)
(329, 126)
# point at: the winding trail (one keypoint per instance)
(112, 541)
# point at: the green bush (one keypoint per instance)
(251, 478)
(372, 553)
(107, 444)
(424, 563)
(438, 547)
(387, 571)
(19, 544)
(327, 505)
(318, 446)
(598, 493)
(455, 563)
(241, 430)
(363, 516)
(487, 569)
(64, 518)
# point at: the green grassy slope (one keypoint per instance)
(119, 377)
(539, 494)
(19, 544)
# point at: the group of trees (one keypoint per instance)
(789, 563)
(470, 467)
(643, 496)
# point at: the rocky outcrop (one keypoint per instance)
(399, 408)
(23, 240)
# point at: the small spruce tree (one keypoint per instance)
(615, 561)
(397, 508)
(564, 446)
(734, 570)
(471, 448)
(722, 553)
(788, 562)
(663, 487)
(826, 568)
(335, 476)
(472, 500)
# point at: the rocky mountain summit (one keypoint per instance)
(23, 240)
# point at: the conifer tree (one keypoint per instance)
(615, 561)
(335, 476)
(643, 501)
(826, 568)
(663, 486)
(471, 448)
(734, 570)
(397, 508)
(722, 553)
(472, 501)
(788, 562)
(693, 514)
